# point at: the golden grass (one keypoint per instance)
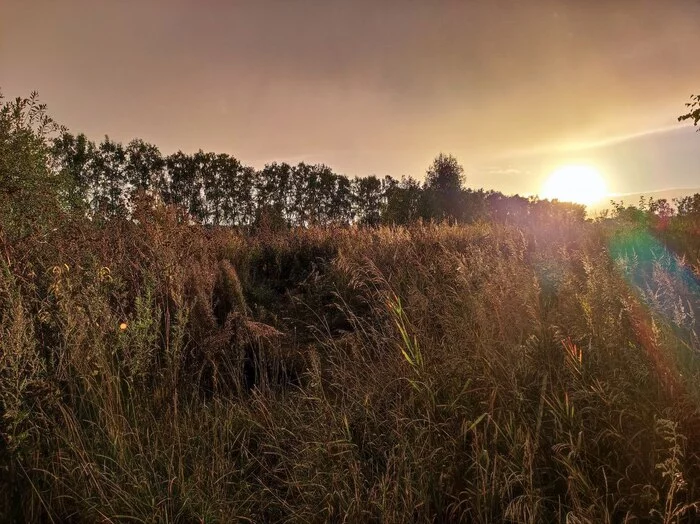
(160, 372)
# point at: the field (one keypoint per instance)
(153, 370)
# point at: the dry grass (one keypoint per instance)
(433, 373)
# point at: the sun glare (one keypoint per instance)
(579, 184)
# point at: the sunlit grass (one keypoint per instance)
(432, 373)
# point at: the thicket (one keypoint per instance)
(156, 369)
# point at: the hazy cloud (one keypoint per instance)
(367, 87)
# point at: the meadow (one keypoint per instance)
(158, 371)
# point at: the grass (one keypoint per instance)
(430, 373)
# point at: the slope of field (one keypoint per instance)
(486, 373)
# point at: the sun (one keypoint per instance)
(579, 184)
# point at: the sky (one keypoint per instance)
(512, 89)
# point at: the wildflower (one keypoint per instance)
(122, 326)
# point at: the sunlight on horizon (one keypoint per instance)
(575, 183)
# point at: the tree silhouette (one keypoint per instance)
(368, 200)
(693, 111)
(208, 171)
(273, 185)
(404, 200)
(184, 189)
(217, 189)
(327, 186)
(110, 196)
(32, 197)
(74, 156)
(145, 167)
(443, 185)
(341, 201)
(230, 178)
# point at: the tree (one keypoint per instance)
(502, 208)
(32, 196)
(237, 186)
(403, 202)
(688, 205)
(110, 173)
(341, 203)
(74, 157)
(145, 167)
(368, 195)
(208, 173)
(273, 186)
(306, 195)
(693, 110)
(445, 174)
(474, 206)
(327, 183)
(443, 185)
(185, 187)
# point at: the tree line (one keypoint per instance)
(217, 189)
(106, 179)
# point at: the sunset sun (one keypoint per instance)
(579, 184)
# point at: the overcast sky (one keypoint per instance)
(513, 89)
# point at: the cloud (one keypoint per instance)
(375, 86)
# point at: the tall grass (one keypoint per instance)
(155, 371)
